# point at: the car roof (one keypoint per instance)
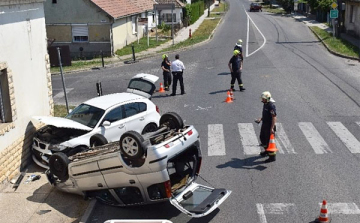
(107, 101)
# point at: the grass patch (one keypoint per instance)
(142, 46)
(273, 10)
(337, 45)
(80, 64)
(60, 110)
(201, 34)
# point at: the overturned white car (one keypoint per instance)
(141, 169)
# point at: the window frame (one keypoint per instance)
(81, 38)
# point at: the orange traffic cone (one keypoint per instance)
(161, 90)
(323, 217)
(228, 98)
(231, 94)
(272, 145)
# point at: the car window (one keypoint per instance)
(132, 109)
(142, 106)
(114, 115)
(129, 195)
(86, 114)
(141, 84)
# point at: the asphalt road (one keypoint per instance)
(318, 103)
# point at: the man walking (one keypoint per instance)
(177, 69)
(235, 66)
(268, 124)
(165, 66)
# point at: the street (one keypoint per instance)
(318, 105)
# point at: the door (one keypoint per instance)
(117, 126)
(142, 84)
(198, 200)
(135, 116)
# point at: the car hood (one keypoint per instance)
(61, 122)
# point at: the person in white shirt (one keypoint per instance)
(177, 69)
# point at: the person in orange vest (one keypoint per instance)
(268, 126)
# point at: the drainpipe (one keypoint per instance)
(112, 40)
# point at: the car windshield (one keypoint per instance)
(86, 114)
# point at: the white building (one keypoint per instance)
(25, 80)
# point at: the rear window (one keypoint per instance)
(141, 85)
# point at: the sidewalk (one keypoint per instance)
(311, 22)
(39, 202)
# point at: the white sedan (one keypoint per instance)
(98, 121)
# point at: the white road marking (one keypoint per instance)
(247, 35)
(342, 208)
(345, 136)
(216, 141)
(280, 136)
(314, 138)
(61, 93)
(248, 139)
(274, 208)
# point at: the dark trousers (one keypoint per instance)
(265, 133)
(236, 76)
(178, 76)
(167, 79)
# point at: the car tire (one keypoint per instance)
(131, 145)
(58, 164)
(98, 140)
(172, 120)
(151, 127)
(75, 150)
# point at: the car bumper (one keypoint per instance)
(41, 156)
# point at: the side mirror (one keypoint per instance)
(106, 123)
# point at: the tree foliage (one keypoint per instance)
(320, 5)
(287, 5)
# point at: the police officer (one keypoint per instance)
(165, 66)
(238, 45)
(235, 66)
(177, 69)
(268, 124)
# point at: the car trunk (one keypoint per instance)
(184, 167)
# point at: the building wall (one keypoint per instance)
(25, 61)
(353, 28)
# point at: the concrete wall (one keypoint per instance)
(24, 58)
(353, 28)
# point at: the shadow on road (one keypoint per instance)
(249, 163)
(217, 92)
(224, 73)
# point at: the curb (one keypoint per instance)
(88, 211)
(331, 51)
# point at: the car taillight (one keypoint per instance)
(199, 165)
(190, 132)
(167, 185)
(169, 145)
(157, 109)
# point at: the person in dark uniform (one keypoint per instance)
(165, 66)
(235, 66)
(268, 126)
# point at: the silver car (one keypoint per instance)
(141, 169)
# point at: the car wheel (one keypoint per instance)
(131, 145)
(75, 150)
(151, 127)
(97, 140)
(58, 164)
(172, 120)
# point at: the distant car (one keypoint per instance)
(255, 7)
(97, 121)
(141, 169)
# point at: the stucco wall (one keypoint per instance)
(123, 34)
(353, 28)
(73, 11)
(24, 55)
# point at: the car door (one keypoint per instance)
(142, 84)
(117, 125)
(135, 116)
(197, 200)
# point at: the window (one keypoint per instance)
(80, 33)
(86, 115)
(134, 108)
(352, 14)
(5, 106)
(134, 24)
(114, 115)
(167, 17)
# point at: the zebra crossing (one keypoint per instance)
(250, 143)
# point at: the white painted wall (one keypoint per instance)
(23, 48)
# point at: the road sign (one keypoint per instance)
(334, 14)
(334, 5)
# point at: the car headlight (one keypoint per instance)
(57, 147)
